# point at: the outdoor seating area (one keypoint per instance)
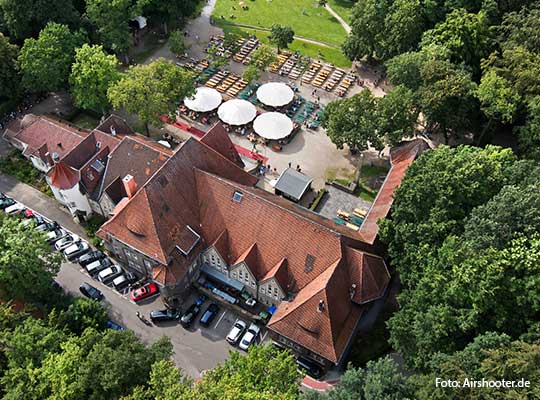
(351, 220)
(227, 83)
(247, 46)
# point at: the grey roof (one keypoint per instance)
(293, 183)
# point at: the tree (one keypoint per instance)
(380, 380)
(26, 18)
(265, 373)
(466, 35)
(152, 90)
(92, 73)
(529, 133)
(261, 59)
(27, 263)
(352, 121)
(111, 19)
(170, 14)
(498, 99)
(281, 36)
(9, 71)
(176, 43)
(397, 115)
(45, 63)
(423, 215)
(83, 314)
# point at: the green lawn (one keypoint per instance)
(85, 121)
(305, 17)
(343, 8)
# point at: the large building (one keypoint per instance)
(201, 214)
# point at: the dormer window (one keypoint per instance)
(237, 196)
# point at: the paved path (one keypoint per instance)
(338, 17)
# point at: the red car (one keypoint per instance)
(144, 292)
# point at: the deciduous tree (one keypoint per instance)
(111, 19)
(281, 36)
(9, 71)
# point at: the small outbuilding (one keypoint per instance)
(292, 184)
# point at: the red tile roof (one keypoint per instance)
(218, 138)
(63, 176)
(58, 137)
(401, 158)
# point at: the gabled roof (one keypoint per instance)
(366, 274)
(218, 139)
(63, 176)
(401, 157)
(279, 273)
(95, 142)
(47, 133)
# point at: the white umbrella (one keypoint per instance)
(273, 125)
(237, 112)
(205, 99)
(275, 94)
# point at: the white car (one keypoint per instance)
(98, 265)
(66, 241)
(249, 337)
(109, 274)
(236, 332)
(76, 250)
(55, 235)
(15, 208)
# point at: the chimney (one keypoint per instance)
(129, 185)
(320, 307)
(59, 145)
(113, 131)
(352, 291)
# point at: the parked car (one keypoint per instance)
(27, 213)
(144, 292)
(122, 281)
(98, 265)
(76, 250)
(201, 299)
(56, 285)
(164, 315)
(190, 315)
(90, 291)
(45, 226)
(66, 241)
(55, 235)
(108, 274)
(6, 202)
(249, 337)
(114, 326)
(236, 332)
(14, 209)
(209, 314)
(90, 257)
(310, 367)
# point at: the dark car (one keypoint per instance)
(44, 226)
(6, 202)
(164, 315)
(90, 257)
(90, 291)
(114, 326)
(190, 315)
(310, 367)
(209, 314)
(201, 299)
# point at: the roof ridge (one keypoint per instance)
(230, 183)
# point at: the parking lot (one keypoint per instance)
(196, 349)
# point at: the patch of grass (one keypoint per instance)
(91, 226)
(343, 7)
(21, 169)
(373, 344)
(339, 175)
(305, 17)
(328, 54)
(366, 193)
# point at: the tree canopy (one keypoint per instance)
(9, 71)
(45, 62)
(281, 36)
(151, 91)
(91, 75)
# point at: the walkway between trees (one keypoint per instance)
(338, 17)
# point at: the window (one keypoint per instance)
(241, 275)
(263, 290)
(234, 275)
(147, 264)
(269, 288)
(275, 293)
(237, 196)
(253, 284)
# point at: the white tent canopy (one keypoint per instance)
(275, 94)
(237, 112)
(273, 125)
(205, 99)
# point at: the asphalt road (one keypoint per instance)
(194, 351)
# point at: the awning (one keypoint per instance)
(293, 184)
(275, 94)
(205, 99)
(220, 277)
(273, 125)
